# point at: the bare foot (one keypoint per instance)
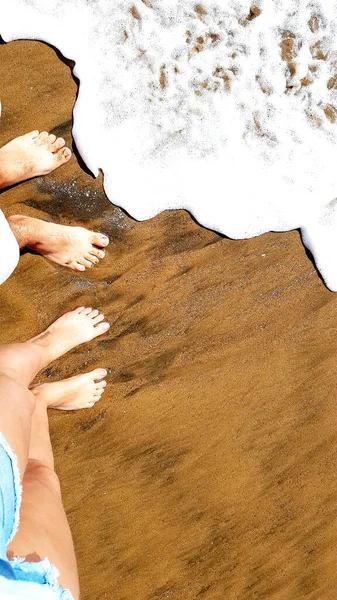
(31, 155)
(73, 247)
(72, 329)
(81, 391)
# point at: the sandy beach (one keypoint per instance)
(207, 470)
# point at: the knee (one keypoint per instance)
(16, 392)
(40, 474)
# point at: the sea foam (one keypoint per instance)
(225, 108)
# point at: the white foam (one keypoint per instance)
(190, 105)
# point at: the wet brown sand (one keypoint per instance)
(207, 470)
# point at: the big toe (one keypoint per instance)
(99, 239)
(62, 156)
(101, 328)
(32, 135)
(41, 137)
(57, 144)
(98, 374)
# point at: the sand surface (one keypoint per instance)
(207, 471)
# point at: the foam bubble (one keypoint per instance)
(226, 109)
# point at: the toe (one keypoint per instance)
(63, 155)
(57, 144)
(93, 313)
(91, 259)
(97, 253)
(51, 139)
(32, 134)
(86, 263)
(102, 328)
(86, 311)
(98, 374)
(98, 319)
(100, 385)
(76, 266)
(79, 309)
(99, 239)
(41, 138)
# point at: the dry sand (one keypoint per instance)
(207, 471)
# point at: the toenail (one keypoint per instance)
(105, 239)
(106, 325)
(66, 152)
(103, 373)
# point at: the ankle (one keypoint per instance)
(42, 345)
(25, 230)
(40, 352)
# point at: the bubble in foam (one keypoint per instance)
(226, 109)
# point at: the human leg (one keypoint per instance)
(44, 529)
(17, 405)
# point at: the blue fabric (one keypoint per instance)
(26, 590)
(6, 570)
(7, 499)
(18, 578)
(10, 495)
